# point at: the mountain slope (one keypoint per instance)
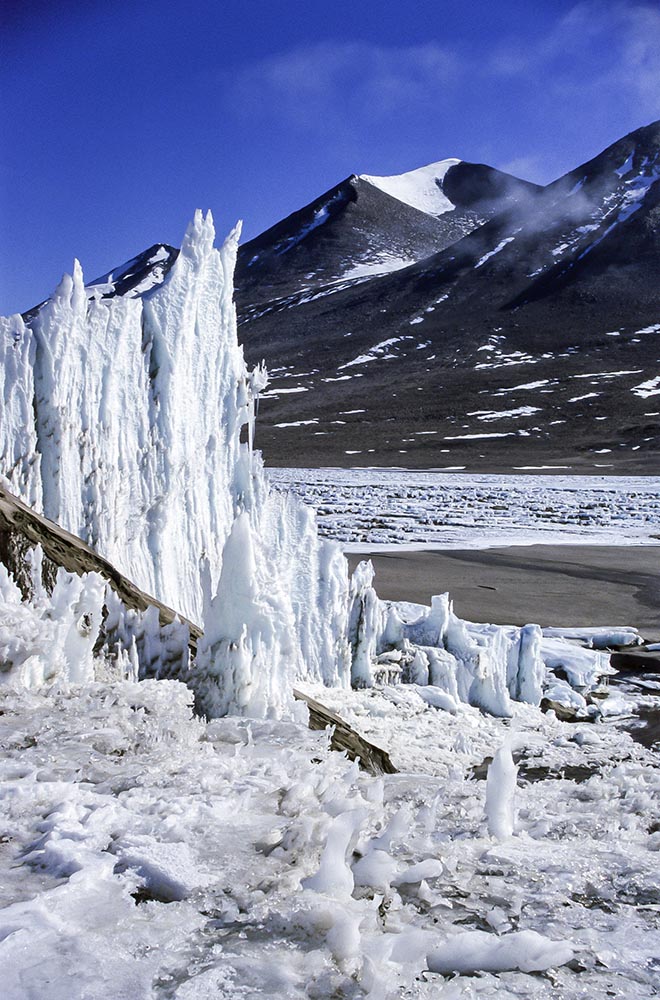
(367, 226)
(532, 340)
(456, 316)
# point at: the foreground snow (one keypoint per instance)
(146, 853)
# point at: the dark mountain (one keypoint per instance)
(367, 226)
(457, 316)
(533, 340)
(133, 278)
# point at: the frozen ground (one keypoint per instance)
(144, 853)
(372, 509)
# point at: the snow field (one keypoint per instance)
(420, 188)
(146, 853)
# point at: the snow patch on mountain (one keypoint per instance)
(519, 411)
(381, 264)
(148, 271)
(500, 246)
(420, 188)
(379, 352)
(649, 388)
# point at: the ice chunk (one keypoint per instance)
(365, 624)
(478, 951)
(334, 876)
(500, 793)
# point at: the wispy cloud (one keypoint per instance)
(601, 52)
(530, 168)
(592, 76)
(314, 86)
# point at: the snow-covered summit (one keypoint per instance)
(420, 188)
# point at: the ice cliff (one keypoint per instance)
(123, 418)
(130, 422)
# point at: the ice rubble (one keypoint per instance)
(130, 421)
(500, 792)
(258, 872)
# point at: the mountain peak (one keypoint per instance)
(420, 188)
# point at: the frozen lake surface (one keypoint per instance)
(378, 509)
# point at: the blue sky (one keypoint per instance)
(119, 119)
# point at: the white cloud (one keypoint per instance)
(315, 86)
(601, 50)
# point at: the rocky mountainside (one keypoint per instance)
(368, 226)
(455, 316)
(531, 341)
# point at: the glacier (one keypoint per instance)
(130, 422)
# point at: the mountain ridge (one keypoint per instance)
(366, 307)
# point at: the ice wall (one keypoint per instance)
(19, 459)
(129, 421)
(139, 406)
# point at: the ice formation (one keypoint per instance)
(124, 418)
(130, 422)
(52, 636)
(477, 951)
(500, 792)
